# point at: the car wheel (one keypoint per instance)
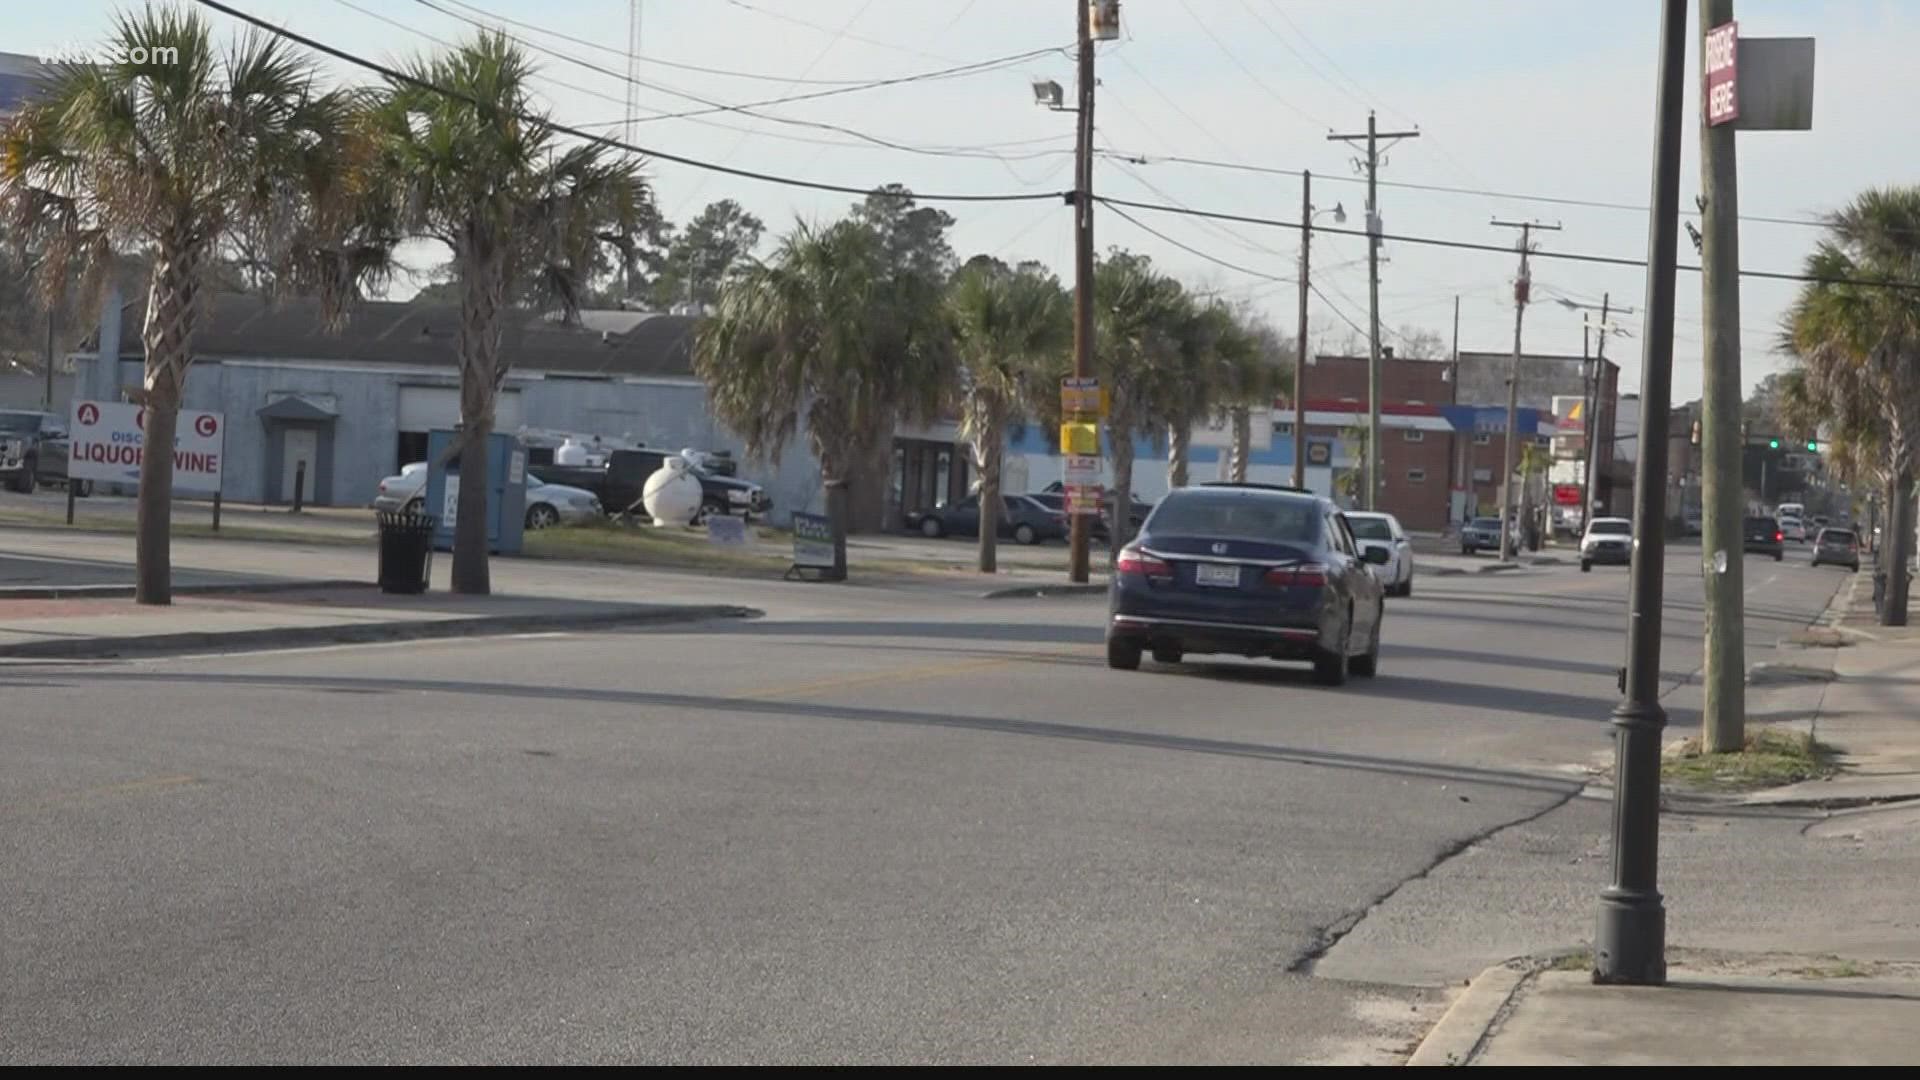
(1330, 669)
(1778, 555)
(414, 506)
(1168, 654)
(1122, 654)
(1466, 551)
(931, 528)
(1586, 566)
(1024, 534)
(24, 485)
(1368, 665)
(542, 516)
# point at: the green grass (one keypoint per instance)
(194, 525)
(1579, 960)
(1838, 969)
(648, 546)
(1772, 757)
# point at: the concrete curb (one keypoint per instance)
(1445, 571)
(1497, 568)
(281, 637)
(1018, 592)
(118, 592)
(1464, 1026)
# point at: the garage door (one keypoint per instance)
(427, 408)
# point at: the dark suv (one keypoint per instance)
(1252, 570)
(1764, 536)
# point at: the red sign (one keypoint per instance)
(1720, 55)
(89, 414)
(207, 425)
(1566, 494)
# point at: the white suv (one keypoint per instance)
(1371, 530)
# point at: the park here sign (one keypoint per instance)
(109, 437)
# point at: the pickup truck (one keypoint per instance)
(33, 451)
(623, 479)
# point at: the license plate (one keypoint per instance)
(1225, 577)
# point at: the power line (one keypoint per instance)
(1257, 80)
(797, 21)
(1335, 308)
(1142, 159)
(397, 76)
(1215, 259)
(1302, 57)
(1471, 245)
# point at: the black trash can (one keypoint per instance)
(406, 551)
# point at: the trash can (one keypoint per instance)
(406, 551)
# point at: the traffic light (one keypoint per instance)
(1773, 444)
(1813, 446)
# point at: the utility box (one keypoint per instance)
(506, 491)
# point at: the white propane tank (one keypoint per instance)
(672, 494)
(570, 453)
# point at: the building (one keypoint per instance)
(21, 79)
(1547, 381)
(356, 403)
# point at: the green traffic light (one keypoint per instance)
(1773, 444)
(1813, 446)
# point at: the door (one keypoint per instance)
(299, 446)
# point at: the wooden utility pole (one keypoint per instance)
(1522, 292)
(1722, 483)
(1079, 532)
(1372, 165)
(1300, 349)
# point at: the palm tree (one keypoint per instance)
(468, 161)
(1012, 329)
(1209, 341)
(827, 334)
(1255, 377)
(1138, 314)
(1860, 346)
(182, 154)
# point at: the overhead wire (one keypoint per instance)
(1237, 62)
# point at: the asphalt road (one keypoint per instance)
(899, 832)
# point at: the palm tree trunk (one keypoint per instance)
(1900, 520)
(481, 296)
(1242, 443)
(173, 306)
(1121, 527)
(989, 451)
(1179, 454)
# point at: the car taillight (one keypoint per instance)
(1779, 536)
(1311, 574)
(1132, 562)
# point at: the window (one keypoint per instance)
(1196, 512)
(1416, 476)
(1483, 476)
(1482, 438)
(1414, 435)
(1283, 427)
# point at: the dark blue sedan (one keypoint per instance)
(1249, 570)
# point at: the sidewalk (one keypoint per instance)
(1716, 1009)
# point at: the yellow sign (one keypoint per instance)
(1079, 438)
(1082, 398)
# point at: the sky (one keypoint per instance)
(1516, 101)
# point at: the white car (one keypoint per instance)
(547, 504)
(1608, 540)
(1371, 530)
(1794, 529)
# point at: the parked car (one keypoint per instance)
(1056, 501)
(1137, 508)
(1249, 570)
(33, 451)
(1480, 534)
(1837, 547)
(1373, 530)
(1608, 540)
(1022, 518)
(1762, 535)
(547, 504)
(622, 480)
(1793, 529)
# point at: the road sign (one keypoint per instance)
(1083, 469)
(1080, 437)
(1083, 500)
(813, 541)
(1721, 60)
(108, 438)
(1081, 397)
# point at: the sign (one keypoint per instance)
(1776, 84)
(450, 501)
(1083, 470)
(1080, 438)
(1083, 500)
(725, 530)
(1319, 452)
(108, 438)
(813, 541)
(1566, 494)
(1720, 59)
(1081, 397)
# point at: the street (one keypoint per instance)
(869, 827)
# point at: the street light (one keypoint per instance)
(1047, 93)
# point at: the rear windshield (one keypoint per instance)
(1837, 536)
(1612, 528)
(1761, 523)
(1486, 523)
(1237, 517)
(1364, 528)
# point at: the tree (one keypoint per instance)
(914, 238)
(1254, 378)
(1419, 344)
(1011, 331)
(1859, 344)
(473, 165)
(1211, 343)
(827, 333)
(705, 254)
(1138, 313)
(178, 160)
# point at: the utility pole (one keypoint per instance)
(1465, 472)
(1593, 411)
(1079, 533)
(1300, 349)
(1630, 945)
(1372, 165)
(1522, 290)
(1722, 488)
